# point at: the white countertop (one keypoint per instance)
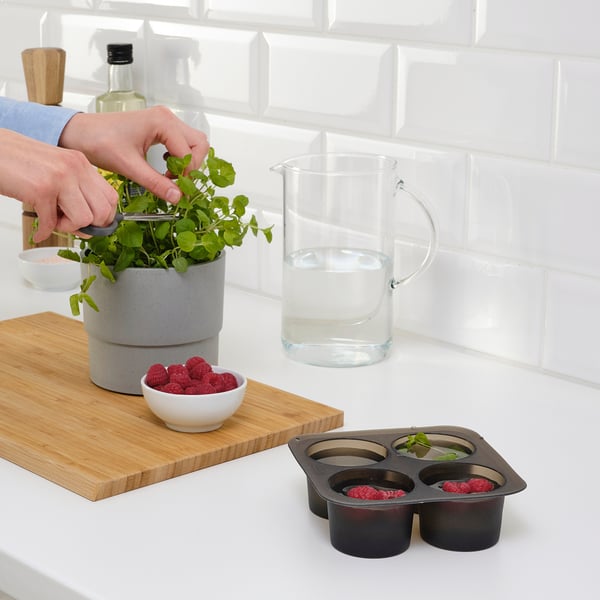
(243, 529)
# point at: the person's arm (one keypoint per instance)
(65, 190)
(49, 155)
(36, 121)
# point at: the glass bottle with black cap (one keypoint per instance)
(121, 95)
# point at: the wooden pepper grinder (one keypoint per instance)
(44, 76)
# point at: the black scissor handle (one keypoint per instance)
(95, 230)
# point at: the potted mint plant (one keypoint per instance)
(152, 291)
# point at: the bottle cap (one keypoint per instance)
(119, 54)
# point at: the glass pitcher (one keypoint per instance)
(338, 279)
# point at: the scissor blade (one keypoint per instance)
(151, 217)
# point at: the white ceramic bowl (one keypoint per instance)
(45, 270)
(195, 413)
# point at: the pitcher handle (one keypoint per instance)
(433, 235)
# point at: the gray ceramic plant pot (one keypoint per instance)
(152, 316)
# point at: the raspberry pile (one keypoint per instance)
(476, 485)
(194, 377)
(368, 492)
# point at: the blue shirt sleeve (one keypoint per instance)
(37, 121)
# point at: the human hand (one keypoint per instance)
(65, 190)
(119, 142)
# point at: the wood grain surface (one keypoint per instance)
(56, 423)
(44, 70)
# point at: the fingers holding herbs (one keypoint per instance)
(119, 142)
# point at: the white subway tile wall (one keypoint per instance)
(476, 301)
(481, 100)
(329, 82)
(204, 67)
(552, 26)
(296, 13)
(578, 132)
(489, 106)
(441, 21)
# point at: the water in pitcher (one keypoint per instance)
(337, 306)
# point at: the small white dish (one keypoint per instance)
(195, 413)
(45, 270)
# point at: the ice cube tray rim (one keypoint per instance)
(483, 455)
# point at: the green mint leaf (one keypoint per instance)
(69, 254)
(126, 259)
(233, 238)
(74, 304)
(418, 444)
(203, 217)
(220, 203)
(185, 225)
(130, 234)
(177, 165)
(447, 456)
(86, 283)
(422, 439)
(88, 300)
(186, 185)
(162, 229)
(239, 203)
(211, 243)
(106, 272)
(199, 254)
(186, 240)
(268, 233)
(162, 261)
(139, 204)
(221, 172)
(180, 264)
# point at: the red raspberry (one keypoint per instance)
(363, 492)
(156, 376)
(229, 381)
(387, 494)
(172, 388)
(192, 390)
(215, 380)
(368, 492)
(205, 388)
(190, 363)
(452, 487)
(478, 485)
(180, 377)
(177, 368)
(468, 487)
(199, 370)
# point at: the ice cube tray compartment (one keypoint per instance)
(335, 461)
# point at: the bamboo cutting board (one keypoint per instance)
(56, 423)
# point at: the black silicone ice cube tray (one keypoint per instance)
(338, 461)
